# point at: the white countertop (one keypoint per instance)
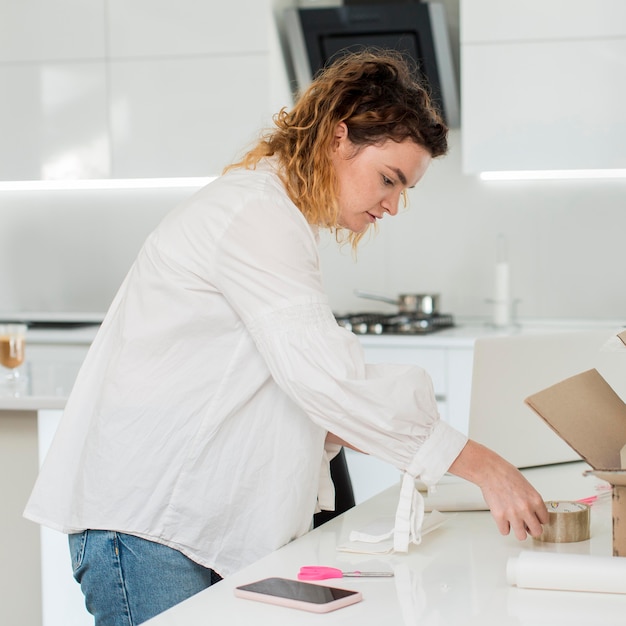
(456, 577)
(467, 331)
(53, 358)
(51, 379)
(464, 333)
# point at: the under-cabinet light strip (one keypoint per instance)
(103, 183)
(200, 181)
(552, 174)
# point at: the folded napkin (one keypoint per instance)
(387, 535)
(377, 537)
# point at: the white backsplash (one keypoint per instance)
(70, 250)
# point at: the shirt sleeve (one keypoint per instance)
(268, 269)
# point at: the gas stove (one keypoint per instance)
(394, 323)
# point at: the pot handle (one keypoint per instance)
(375, 296)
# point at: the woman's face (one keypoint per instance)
(372, 179)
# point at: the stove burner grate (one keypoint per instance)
(394, 323)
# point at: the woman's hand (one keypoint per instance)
(514, 503)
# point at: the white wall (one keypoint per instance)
(565, 244)
(67, 251)
(180, 91)
(564, 239)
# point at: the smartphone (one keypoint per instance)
(298, 595)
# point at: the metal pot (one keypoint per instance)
(420, 303)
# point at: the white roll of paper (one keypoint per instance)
(567, 572)
(502, 295)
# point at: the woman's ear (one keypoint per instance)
(341, 135)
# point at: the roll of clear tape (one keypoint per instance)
(567, 572)
(567, 522)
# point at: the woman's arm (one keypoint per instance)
(330, 438)
(514, 502)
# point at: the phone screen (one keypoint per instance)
(297, 590)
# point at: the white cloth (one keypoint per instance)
(380, 536)
(199, 416)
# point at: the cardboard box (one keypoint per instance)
(585, 411)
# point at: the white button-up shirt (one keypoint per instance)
(199, 416)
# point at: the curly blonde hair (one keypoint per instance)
(378, 95)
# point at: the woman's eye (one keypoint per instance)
(387, 181)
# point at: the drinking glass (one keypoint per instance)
(12, 344)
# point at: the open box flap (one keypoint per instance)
(622, 336)
(585, 411)
(615, 477)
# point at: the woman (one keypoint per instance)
(198, 433)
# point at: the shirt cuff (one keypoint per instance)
(437, 453)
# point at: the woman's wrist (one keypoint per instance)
(476, 463)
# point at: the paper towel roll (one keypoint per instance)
(567, 572)
(502, 295)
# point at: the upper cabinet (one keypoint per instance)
(133, 89)
(51, 30)
(53, 110)
(543, 84)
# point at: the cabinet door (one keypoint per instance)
(141, 89)
(543, 86)
(433, 360)
(53, 121)
(186, 117)
(185, 28)
(460, 364)
(538, 20)
(52, 30)
(52, 368)
(370, 475)
(544, 105)
(190, 84)
(63, 603)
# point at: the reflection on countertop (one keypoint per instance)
(44, 385)
(53, 358)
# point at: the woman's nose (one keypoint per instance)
(391, 204)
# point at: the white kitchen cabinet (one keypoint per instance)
(51, 30)
(53, 110)
(173, 116)
(432, 359)
(189, 84)
(148, 28)
(62, 601)
(543, 85)
(460, 362)
(449, 364)
(53, 120)
(52, 368)
(36, 584)
(134, 89)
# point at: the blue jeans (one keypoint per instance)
(127, 580)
